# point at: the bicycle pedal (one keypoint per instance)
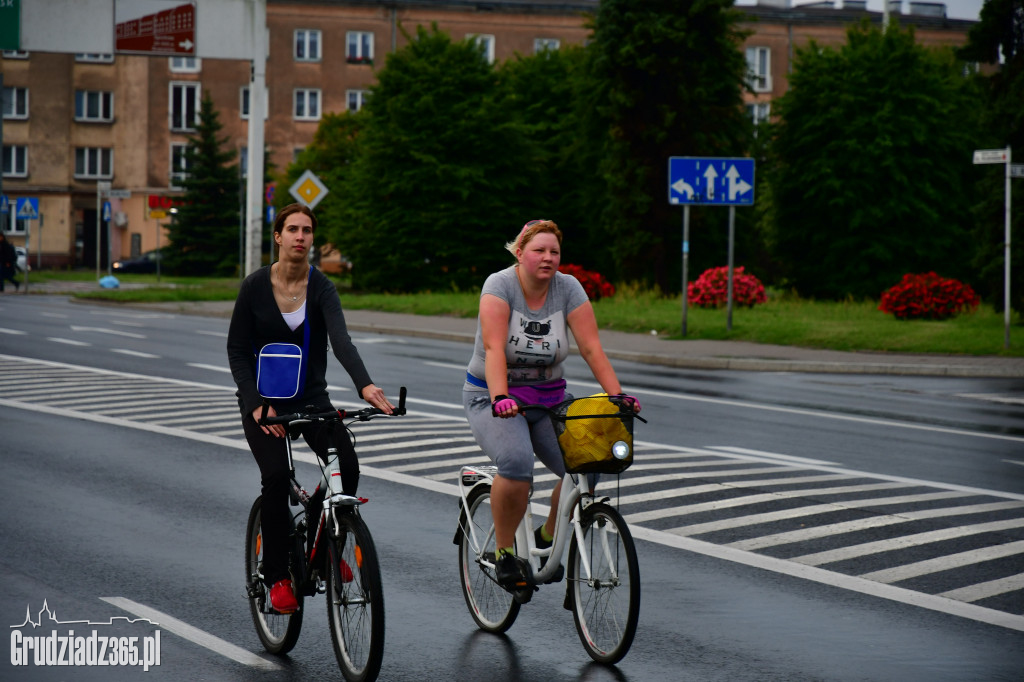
(524, 595)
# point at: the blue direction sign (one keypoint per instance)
(717, 181)
(27, 208)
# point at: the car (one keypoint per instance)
(22, 258)
(141, 264)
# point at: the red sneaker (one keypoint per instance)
(282, 597)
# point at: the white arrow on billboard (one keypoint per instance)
(681, 187)
(709, 182)
(736, 186)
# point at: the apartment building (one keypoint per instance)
(74, 122)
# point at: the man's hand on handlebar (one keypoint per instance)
(376, 397)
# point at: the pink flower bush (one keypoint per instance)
(711, 290)
(929, 297)
(593, 283)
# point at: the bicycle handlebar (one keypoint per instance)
(363, 415)
(551, 409)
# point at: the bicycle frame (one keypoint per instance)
(573, 491)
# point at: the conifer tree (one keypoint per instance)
(204, 232)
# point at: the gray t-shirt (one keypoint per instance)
(538, 340)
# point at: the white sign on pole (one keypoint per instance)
(1017, 170)
(990, 156)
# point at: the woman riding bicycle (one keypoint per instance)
(522, 340)
(293, 303)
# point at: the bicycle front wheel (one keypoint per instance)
(277, 631)
(491, 605)
(606, 599)
(355, 599)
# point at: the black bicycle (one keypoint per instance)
(337, 557)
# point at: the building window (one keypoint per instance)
(15, 101)
(94, 162)
(94, 106)
(179, 164)
(307, 45)
(186, 64)
(542, 44)
(307, 105)
(359, 47)
(759, 112)
(184, 106)
(15, 162)
(94, 58)
(11, 223)
(356, 99)
(15, 54)
(759, 68)
(486, 43)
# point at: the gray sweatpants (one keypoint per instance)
(511, 443)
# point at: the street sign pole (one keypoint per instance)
(732, 241)
(686, 263)
(1006, 259)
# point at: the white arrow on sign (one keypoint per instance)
(736, 186)
(709, 182)
(681, 187)
(187, 44)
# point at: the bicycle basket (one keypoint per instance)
(595, 435)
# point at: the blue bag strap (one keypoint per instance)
(305, 340)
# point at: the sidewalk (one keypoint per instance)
(693, 354)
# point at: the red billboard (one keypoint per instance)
(171, 31)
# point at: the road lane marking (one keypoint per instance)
(945, 562)
(194, 634)
(905, 542)
(203, 332)
(12, 332)
(104, 330)
(135, 353)
(771, 455)
(992, 588)
(70, 342)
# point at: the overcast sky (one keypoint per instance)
(955, 9)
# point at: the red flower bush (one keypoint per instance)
(928, 297)
(593, 283)
(711, 290)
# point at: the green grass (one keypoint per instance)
(784, 319)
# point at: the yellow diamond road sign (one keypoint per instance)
(308, 190)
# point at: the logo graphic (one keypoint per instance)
(89, 649)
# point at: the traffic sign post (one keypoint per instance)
(709, 181)
(27, 208)
(1003, 156)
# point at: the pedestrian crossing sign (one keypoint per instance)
(27, 208)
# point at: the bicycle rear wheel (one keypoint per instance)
(355, 599)
(278, 632)
(605, 605)
(491, 605)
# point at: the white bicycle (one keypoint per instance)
(603, 589)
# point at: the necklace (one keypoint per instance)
(281, 283)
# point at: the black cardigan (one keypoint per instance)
(257, 321)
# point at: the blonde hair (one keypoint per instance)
(530, 230)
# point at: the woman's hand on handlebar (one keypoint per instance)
(504, 407)
(276, 430)
(375, 396)
(629, 400)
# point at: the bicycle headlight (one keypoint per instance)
(620, 449)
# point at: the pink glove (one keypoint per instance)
(629, 400)
(502, 404)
